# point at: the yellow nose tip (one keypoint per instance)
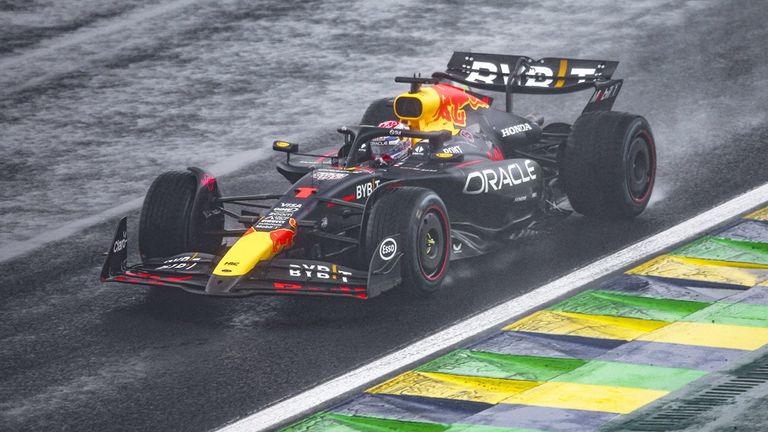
(243, 256)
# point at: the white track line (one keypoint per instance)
(305, 402)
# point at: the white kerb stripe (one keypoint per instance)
(305, 402)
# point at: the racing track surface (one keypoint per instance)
(95, 101)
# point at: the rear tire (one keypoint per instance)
(169, 223)
(420, 217)
(608, 166)
(379, 111)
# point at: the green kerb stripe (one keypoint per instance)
(629, 306)
(531, 368)
(493, 365)
(331, 422)
(721, 249)
(617, 374)
(741, 314)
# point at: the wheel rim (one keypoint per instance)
(431, 243)
(640, 168)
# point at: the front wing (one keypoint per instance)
(280, 276)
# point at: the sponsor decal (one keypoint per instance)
(516, 129)
(366, 189)
(208, 181)
(391, 124)
(388, 249)
(120, 244)
(493, 179)
(452, 150)
(418, 150)
(177, 266)
(318, 271)
(324, 175)
(304, 192)
(453, 102)
(605, 93)
(283, 237)
(542, 76)
(456, 246)
(186, 262)
(278, 216)
(182, 259)
(467, 135)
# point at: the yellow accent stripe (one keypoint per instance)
(577, 324)
(676, 267)
(458, 387)
(736, 264)
(494, 391)
(710, 335)
(761, 215)
(561, 73)
(590, 397)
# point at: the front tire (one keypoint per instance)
(379, 111)
(608, 166)
(421, 219)
(170, 223)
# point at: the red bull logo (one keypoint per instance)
(452, 103)
(283, 237)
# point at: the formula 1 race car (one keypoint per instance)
(357, 223)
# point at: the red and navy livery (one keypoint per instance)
(355, 226)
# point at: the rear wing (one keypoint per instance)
(520, 74)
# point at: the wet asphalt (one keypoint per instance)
(79, 355)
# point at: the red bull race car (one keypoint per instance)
(433, 175)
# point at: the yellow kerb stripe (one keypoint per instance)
(621, 400)
(577, 324)
(761, 214)
(561, 72)
(494, 391)
(676, 267)
(458, 387)
(710, 335)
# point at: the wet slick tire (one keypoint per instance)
(608, 166)
(420, 217)
(169, 222)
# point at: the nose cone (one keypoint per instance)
(253, 247)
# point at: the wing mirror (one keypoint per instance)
(285, 147)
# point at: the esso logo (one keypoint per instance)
(388, 249)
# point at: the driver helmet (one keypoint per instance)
(388, 148)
